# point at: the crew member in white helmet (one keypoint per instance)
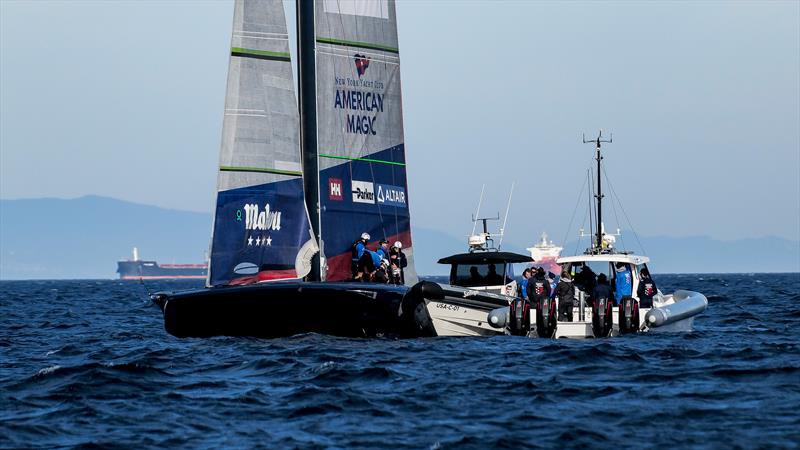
(357, 251)
(398, 262)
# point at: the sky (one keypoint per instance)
(124, 99)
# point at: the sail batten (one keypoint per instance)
(368, 45)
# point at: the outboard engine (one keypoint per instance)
(546, 310)
(519, 317)
(628, 315)
(602, 317)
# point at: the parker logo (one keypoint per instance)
(335, 189)
(363, 192)
(362, 62)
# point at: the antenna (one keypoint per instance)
(598, 245)
(505, 219)
(478, 211)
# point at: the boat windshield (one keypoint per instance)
(471, 275)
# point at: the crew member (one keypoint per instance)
(367, 265)
(538, 287)
(601, 291)
(623, 283)
(475, 278)
(356, 252)
(586, 280)
(383, 248)
(565, 291)
(493, 278)
(647, 289)
(523, 285)
(399, 262)
(381, 273)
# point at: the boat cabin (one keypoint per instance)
(491, 271)
(605, 263)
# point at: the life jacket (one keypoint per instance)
(538, 289)
(354, 251)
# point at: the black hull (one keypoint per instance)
(280, 309)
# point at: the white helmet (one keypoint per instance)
(398, 244)
(365, 236)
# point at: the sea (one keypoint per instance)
(87, 364)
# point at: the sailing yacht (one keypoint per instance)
(300, 177)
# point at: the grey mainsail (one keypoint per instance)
(361, 151)
(261, 227)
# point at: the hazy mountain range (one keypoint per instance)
(84, 238)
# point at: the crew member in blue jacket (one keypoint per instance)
(368, 265)
(523, 285)
(383, 249)
(357, 251)
(623, 282)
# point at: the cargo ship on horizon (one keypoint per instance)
(137, 269)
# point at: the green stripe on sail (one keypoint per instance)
(259, 170)
(385, 48)
(264, 54)
(324, 155)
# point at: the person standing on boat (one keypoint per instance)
(565, 291)
(647, 289)
(623, 283)
(601, 291)
(357, 251)
(399, 262)
(538, 287)
(523, 285)
(586, 280)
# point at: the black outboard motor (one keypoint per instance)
(602, 317)
(546, 310)
(520, 317)
(628, 315)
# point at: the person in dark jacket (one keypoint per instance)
(601, 290)
(565, 291)
(647, 289)
(398, 263)
(538, 287)
(585, 280)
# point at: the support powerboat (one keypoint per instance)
(622, 313)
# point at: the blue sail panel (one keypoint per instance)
(258, 231)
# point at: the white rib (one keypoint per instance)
(245, 114)
(334, 49)
(260, 32)
(241, 36)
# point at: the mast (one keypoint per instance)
(307, 88)
(598, 245)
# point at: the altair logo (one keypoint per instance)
(362, 62)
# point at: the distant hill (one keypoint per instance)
(84, 237)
